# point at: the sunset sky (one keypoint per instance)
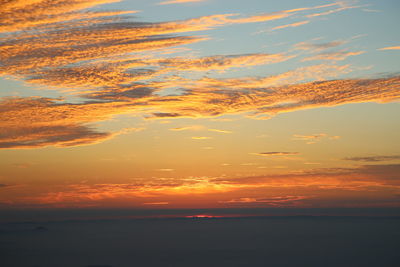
(199, 104)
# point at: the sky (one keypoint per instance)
(187, 104)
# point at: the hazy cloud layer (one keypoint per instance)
(312, 186)
(278, 201)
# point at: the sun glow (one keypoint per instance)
(203, 216)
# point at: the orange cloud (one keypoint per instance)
(390, 48)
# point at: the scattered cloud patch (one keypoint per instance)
(318, 46)
(374, 158)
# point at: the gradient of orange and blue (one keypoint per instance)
(199, 104)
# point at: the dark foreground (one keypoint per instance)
(251, 242)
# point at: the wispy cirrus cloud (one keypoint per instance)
(108, 60)
(338, 7)
(314, 138)
(334, 55)
(291, 25)
(343, 5)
